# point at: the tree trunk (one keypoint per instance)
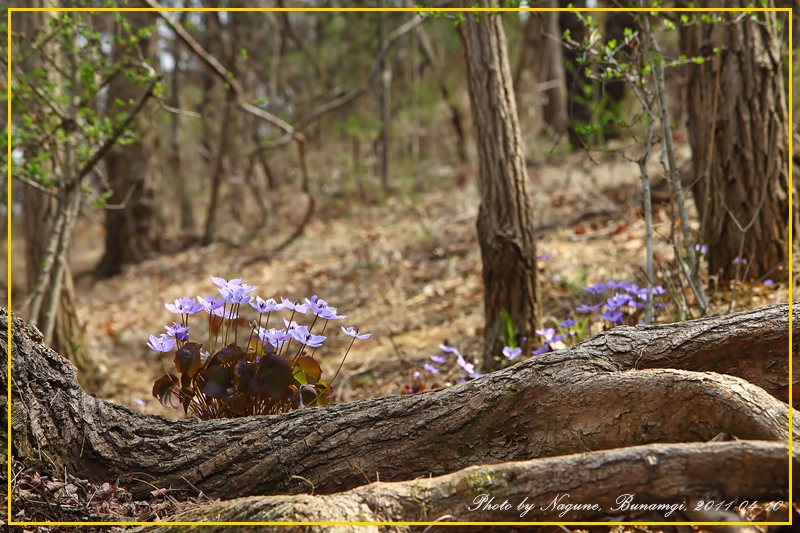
(549, 70)
(39, 214)
(456, 116)
(386, 101)
(579, 112)
(175, 156)
(614, 96)
(739, 153)
(672, 475)
(505, 221)
(612, 391)
(133, 232)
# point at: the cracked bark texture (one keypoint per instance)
(665, 474)
(589, 397)
(505, 219)
(743, 172)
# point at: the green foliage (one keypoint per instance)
(509, 336)
(63, 74)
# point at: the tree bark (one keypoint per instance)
(456, 116)
(133, 232)
(39, 214)
(665, 474)
(742, 167)
(505, 222)
(549, 69)
(589, 397)
(578, 110)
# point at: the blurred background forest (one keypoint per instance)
(335, 154)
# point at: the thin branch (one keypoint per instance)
(352, 95)
(222, 72)
(117, 133)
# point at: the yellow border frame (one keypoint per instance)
(10, 522)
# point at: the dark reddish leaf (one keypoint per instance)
(310, 367)
(187, 359)
(244, 373)
(228, 354)
(324, 393)
(216, 381)
(274, 376)
(165, 389)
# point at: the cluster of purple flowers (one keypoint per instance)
(627, 295)
(234, 294)
(467, 367)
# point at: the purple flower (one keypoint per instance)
(162, 343)
(612, 316)
(430, 368)
(137, 401)
(184, 305)
(209, 304)
(329, 313)
(416, 375)
(597, 288)
(232, 284)
(587, 308)
(619, 300)
(275, 337)
(224, 313)
(618, 284)
(544, 349)
(568, 323)
(449, 349)
(235, 295)
(702, 248)
(265, 306)
(178, 331)
(439, 359)
(658, 289)
(512, 353)
(294, 306)
(354, 332)
(633, 289)
(738, 260)
(557, 279)
(543, 257)
(303, 336)
(549, 335)
(768, 283)
(317, 305)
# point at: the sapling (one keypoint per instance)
(270, 372)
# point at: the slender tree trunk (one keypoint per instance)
(39, 215)
(579, 111)
(386, 103)
(176, 157)
(505, 222)
(229, 38)
(739, 153)
(456, 116)
(133, 232)
(549, 70)
(615, 90)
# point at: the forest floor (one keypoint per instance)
(405, 267)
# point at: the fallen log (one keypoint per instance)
(655, 482)
(586, 398)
